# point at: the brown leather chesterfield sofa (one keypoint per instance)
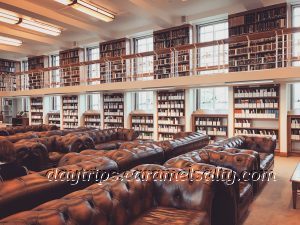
(22, 129)
(124, 159)
(132, 202)
(238, 162)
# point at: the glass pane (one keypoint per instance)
(296, 96)
(145, 101)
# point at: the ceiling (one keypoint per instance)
(132, 17)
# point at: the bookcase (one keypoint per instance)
(36, 110)
(37, 79)
(92, 119)
(7, 68)
(70, 111)
(54, 118)
(113, 109)
(256, 110)
(254, 44)
(116, 70)
(293, 134)
(214, 125)
(170, 113)
(172, 63)
(70, 76)
(144, 123)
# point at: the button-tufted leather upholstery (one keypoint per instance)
(238, 162)
(22, 129)
(130, 202)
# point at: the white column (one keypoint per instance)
(155, 117)
(189, 100)
(82, 106)
(46, 108)
(128, 107)
(284, 102)
(230, 112)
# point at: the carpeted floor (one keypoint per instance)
(273, 206)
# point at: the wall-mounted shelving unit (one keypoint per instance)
(54, 118)
(114, 71)
(36, 79)
(144, 123)
(164, 62)
(70, 76)
(113, 109)
(214, 125)
(70, 111)
(7, 68)
(170, 113)
(256, 110)
(92, 119)
(36, 111)
(293, 134)
(250, 50)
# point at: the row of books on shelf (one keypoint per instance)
(69, 54)
(208, 122)
(258, 104)
(104, 47)
(171, 105)
(165, 137)
(70, 112)
(256, 113)
(295, 123)
(113, 106)
(262, 133)
(169, 129)
(295, 136)
(113, 99)
(38, 117)
(171, 96)
(92, 119)
(214, 131)
(70, 100)
(242, 124)
(253, 49)
(114, 113)
(142, 127)
(70, 126)
(145, 119)
(36, 110)
(146, 136)
(110, 119)
(172, 113)
(71, 107)
(250, 93)
(69, 61)
(170, 121)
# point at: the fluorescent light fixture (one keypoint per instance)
(250, 82)
(9, 17)
(10, 41)
(39, 26)
(90, 9)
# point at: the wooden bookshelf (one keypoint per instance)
(172, 63)
(37, 79)
(92, 119)
(170, 113)
(70, 76)
(256, 110)
(293, 134)
(258, 52)
(144, 123)
(116, 70)
(113, 107)
(7, 69)
(54, 118)
(36, 110)
(70, 111)
(214, 125)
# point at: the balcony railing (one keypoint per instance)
(188, 60)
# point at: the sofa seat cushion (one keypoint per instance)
(246, 192)
(54, 157)
(266, 160)
(164, 215)
(107, 146)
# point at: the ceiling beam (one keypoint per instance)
(20, 50)
(37, 9)
(159, 16)
(253, 4)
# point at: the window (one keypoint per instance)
(93, 101)
(212, 98)
(144, 65)
(296, 36)
(216, 55)
(55, 78)
(24, 77)
(93, 69)
(144, 101)
(55, 103)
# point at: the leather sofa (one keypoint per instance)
(133, 202)
(124, 159)
(238, 162)
(22, 129)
